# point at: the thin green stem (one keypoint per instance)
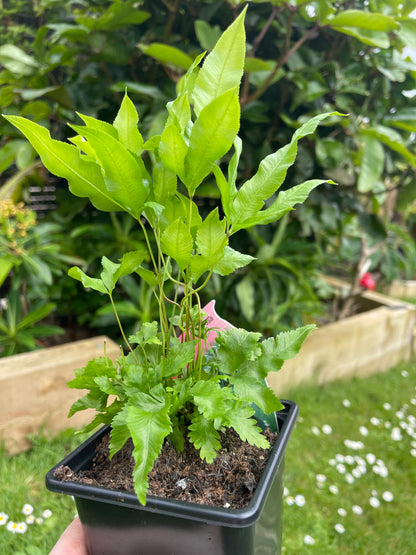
(121, 328)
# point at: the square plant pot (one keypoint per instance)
(114, 522)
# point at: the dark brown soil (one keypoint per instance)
(227, 482)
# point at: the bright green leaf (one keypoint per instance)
(211, 137)
(177, 242)
(84, 176)
(167, 54)
(126, 125)
(148, 430)
(223, 68)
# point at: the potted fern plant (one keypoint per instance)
(171, 386)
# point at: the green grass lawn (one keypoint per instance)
(358, 480)
(350, 474)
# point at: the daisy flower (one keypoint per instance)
(12, 526)
(308, 540)
(388, 496)
(339, 528)
(27, 509)
(3, 519)
(357, 510)
(21, 528)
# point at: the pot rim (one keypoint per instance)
(246, 516)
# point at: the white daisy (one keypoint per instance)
(371, 459)
(27, 509)
(339, 528)
(333, 489)
(308, 540)
(12, 526)
(387, 496)
(3, 519)
(342, 512)
(374, 502)
(300, 500)
(47, 513)
(346, 403)
(21, 528)
(356, 509)
(326, 428)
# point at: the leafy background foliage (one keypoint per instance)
(304, 58)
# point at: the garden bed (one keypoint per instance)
(377, 337)
(34, 393)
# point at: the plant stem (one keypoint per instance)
(121, 328)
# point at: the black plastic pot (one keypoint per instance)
(115, 523)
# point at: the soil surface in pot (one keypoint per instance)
(229, 481)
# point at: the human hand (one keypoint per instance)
(72, 541)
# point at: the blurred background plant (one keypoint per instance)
(304, 57)
(29, 259)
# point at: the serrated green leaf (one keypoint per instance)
(223, 68)
(126, 125)
(212, 136)
(236, 347)
(125, 177)
(120, 432)
(211, 237)
(164, 183)
(147, 335)
(232, 260)
(285, 346)
(107, 386)
(95, 399)
(285, 202)
(254, 390)
(177, 242)
(240, 418)
(84, 176)
(173, 150)
(178, 357)
(85, 377)
(87, 282)
(211, 398)
(148, 431)
(147, 275)
(250, 199)
(204, 437)
(108, 275)
(180, 111)
(130, 262)
(98, 125)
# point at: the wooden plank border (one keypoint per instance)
(33, 390)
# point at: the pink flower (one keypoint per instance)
(368, 282)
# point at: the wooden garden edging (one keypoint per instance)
(33, 390)
(364, 344)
